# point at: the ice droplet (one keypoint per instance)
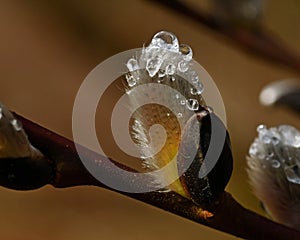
(275, 163)
(291, 135)
(194, 77)
(183, 66)
(192, 104)
(170, 69)
(165, 40)
(153, 65)
(132, 65)
(16, 124)
(293, 174)
(186, 52)
(130, 80)
(197, 89)
(179, 115)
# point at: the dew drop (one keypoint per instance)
(183, 66)
(172, 78)
(179, 115)
(193, 104)
(170, 69)
(275, 164)
(293, 174)
(153, 65)
(261, 128)
(132, 65)
(186, 52)
(182, 102)
(197, 89)
(130, 80)
(194, 77)
(165, 40)
(16, 124)
(161, 73)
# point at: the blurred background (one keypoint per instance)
(46, 50)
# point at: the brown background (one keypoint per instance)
(47, 49)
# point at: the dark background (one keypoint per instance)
(46, 50)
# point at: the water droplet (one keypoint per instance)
(172, 78)
(183, 66)
(16, 124)
(132, 65)
(186, 52)
(266, 139)
(275, 164)
(153, 65)
(293, 174)
(193, 104)
(168, 114)
(1, 114)
(161, 73)
(261, 127)
(253, 150)
(290, 135)
(194, 77)
(275, 140)
(197, 89)
(170, 69)
(182, 102)
(165, 40)
(130, 80)
(179, 115)
(177, 96)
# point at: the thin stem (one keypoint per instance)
(228, 215)
(257, 40)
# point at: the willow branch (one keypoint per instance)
(257, 40)
(228, 215)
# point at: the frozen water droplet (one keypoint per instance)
(170, 69)
(161, 73)
(266, 139)
(261, 128)
(179, 115)
(293, 174)
(153, 65)
(183, 66)
(275, 140)
(197, 89)
(182, 102)
(186, 52)
(132, 65)
(16, 124)
(130, 80)
(253, 150)
(290, 135)
(194, 77)
(192, 104)
(275, 164)
(165, 40)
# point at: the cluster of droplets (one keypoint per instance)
(163, 59)
(278, 147)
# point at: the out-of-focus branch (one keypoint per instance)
(228, 215)
(256, 40)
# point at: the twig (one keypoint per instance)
(258, 40)
(229, 215)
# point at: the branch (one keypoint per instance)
(258, 40)
(228, 215)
